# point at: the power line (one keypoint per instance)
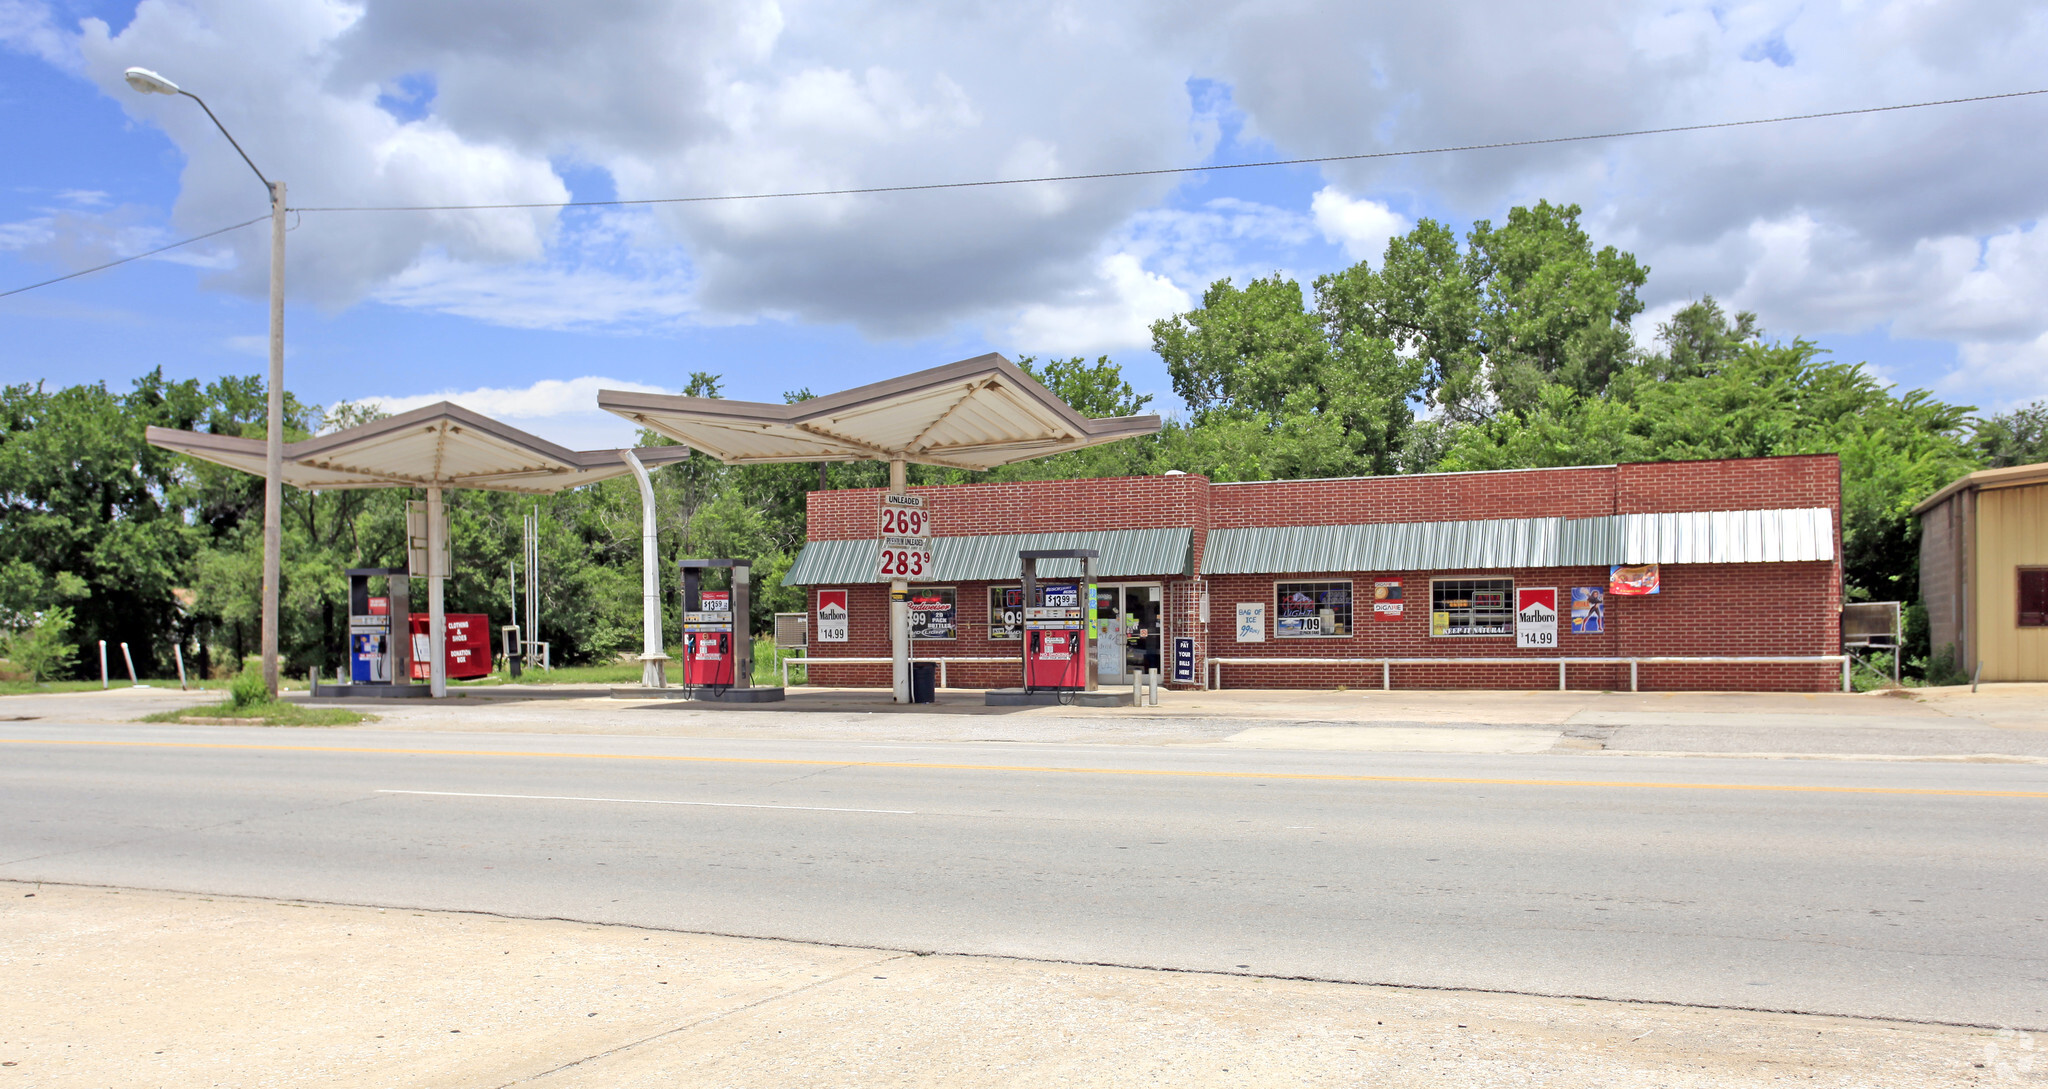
(134, 257)
(1533, 142)
(1495, 145)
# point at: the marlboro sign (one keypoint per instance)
(1536, 618)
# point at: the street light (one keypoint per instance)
(148, 82)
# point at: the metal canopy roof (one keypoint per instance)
(441, 444)
(1126, 553)
(975, 414)
(1740, 536)
(2011, 476)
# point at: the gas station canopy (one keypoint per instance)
(975, 414)
(441, 445)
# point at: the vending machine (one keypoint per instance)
(717, 642)
(1059, 624)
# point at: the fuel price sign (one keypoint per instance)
(906, 538)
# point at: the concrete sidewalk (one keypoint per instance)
(126, 987)
(1998, 722)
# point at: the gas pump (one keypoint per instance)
(717, 643)
(379, 652)
(1059, 624)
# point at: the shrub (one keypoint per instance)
(248, 688)
(43, 652)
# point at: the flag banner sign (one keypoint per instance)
(1589, 610)
(1183, 661)
(831, 616)
(1251, 621)
(933, 613)
(1633, 581)
(1386, 599)
(1536, 617)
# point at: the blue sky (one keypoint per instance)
(1910, 241)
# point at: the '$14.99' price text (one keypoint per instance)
(905, 563)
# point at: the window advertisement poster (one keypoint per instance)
(934, 613)
(831, 616)
(1386, 599)
(1006, 612)
(1297, 614)
(1536, 617)
(1633, 581)
(1589, 610)
(1251, 621)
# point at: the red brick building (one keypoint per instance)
(1407, 580)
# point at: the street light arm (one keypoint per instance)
(231, 139)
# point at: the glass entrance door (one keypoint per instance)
(1127, 617)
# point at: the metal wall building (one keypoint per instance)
(1984, 572)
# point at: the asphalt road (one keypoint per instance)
(1908, 890)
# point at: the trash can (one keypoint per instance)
(924, 682)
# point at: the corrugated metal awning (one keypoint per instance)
(1743, 536)
(1126, 553)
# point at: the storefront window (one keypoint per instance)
(1472, 607)
(1006, 612)
(2034, 597)
(1308, 610)
(934, 613)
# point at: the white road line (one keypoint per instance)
(640, 801)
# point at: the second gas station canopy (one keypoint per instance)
(439, 446)
(975, 414)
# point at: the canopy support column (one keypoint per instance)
(899, 603)
(653, 673)
(437, 574)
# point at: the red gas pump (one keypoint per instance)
(1059, 623)
(715, 651)
(1054, 658)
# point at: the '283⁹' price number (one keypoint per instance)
(905, 562)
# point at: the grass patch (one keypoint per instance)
(628, 673)
(267, 713)
(33, 688)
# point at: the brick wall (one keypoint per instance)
(1705, 609)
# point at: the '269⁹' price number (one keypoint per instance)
(904, 522)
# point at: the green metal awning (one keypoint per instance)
(1126, 553)
(1745, 536)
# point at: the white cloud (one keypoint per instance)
(562, 411)
(1362, 227)
(538, 297)
(1114, 312)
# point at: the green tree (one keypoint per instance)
(2019, 437)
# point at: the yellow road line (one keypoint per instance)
(918, 766)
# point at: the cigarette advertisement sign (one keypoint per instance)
(1589, 610)
(906, 538)
(831, 616)
(1536, 618)
(1386, 599)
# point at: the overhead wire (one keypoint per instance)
(134, 257)
(1098, 176)
(1156, 171)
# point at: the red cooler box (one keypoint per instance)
(469, 646)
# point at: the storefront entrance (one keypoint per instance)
(1129, 640)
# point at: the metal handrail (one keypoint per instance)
(1214, 672)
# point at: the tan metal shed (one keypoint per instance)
(1984, 572)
